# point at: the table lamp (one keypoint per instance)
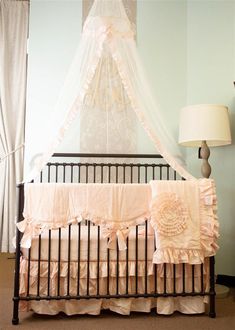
(204, 125)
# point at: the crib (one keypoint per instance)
(72, 268)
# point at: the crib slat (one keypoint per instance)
(183, 278)
(49, 173)
(49, 263)
(59, 257)
(79, 173)
(94, 173)
(88, 255)
(164, 278)
(131, 173)
(108, 257)
(56, 173)
(86, 173)
(28, 277)
(175, 175)
(202, 279)
(138, 169)
(41, 176)
(136, 259)
(71, 174)
(146, 256)
(98, 260)
(79, 254)
(69, 257)
(117, 267)
(109, 173)
(174, 279)
(160, 172)
(155, 268)
(102, 173)
(193, 279)
(64, 166)
(146, 174)
(124, 173)
(127, 263)
(39, 264)
(116, 173)
(153, 172)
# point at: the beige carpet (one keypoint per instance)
(225, 319)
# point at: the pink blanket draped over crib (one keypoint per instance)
(182, 213)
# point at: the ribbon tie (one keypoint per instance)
(112, 234)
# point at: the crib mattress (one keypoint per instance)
(93, 245)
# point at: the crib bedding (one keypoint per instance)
(176, 223)
(179, 218)
(188, 305)
(183, 214)
(163, 305)
(124, 306)
(50, 206)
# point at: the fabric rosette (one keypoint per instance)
(168, 214)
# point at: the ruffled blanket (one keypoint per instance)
(182, 213)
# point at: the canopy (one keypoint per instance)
(106, 83)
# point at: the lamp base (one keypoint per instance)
(204, 155)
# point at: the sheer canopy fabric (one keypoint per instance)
(13, 63)
(107, 36)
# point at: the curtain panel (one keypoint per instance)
(13, 65)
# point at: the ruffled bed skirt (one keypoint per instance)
(124, 306)
(188, 305)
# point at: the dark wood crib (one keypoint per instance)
(106, 168)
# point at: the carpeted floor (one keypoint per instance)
(225, 319)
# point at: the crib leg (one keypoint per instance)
(15, 319)
(212, 312)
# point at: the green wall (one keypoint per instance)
(188, 50)
(210, 76)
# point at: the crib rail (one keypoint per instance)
(105, 171)
(97, 168)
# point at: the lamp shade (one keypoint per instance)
(204, 122)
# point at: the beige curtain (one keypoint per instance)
(13, 64)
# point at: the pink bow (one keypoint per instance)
(112, 234)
